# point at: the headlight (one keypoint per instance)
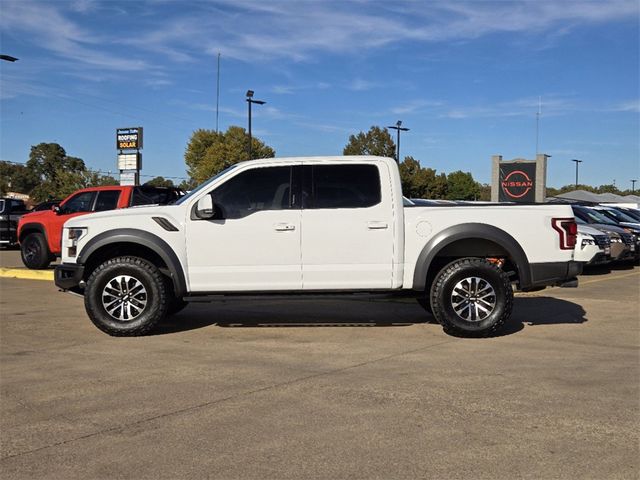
(76, 234)
(73, 236)
(588, 241)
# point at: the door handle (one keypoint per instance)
(377, 225)
(284, 227)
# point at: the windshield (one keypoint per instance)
(618, 215)
(633, 213)
(203, 185)
(597, 217)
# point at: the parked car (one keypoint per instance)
(603, 223)
(622, 220)
(11, 209)
(40, 232)
(593, 246)
(632, 212)
(314, 225)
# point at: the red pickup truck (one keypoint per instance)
(40, 233)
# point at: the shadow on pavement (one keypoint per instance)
(236, 313)
(536, 311)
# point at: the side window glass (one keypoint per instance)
(79, 203)
(343, 186)
(254, 190)
(107, 200)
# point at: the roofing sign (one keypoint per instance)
(129, 138)
(517, 182)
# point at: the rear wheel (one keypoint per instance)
(471, 297)
(35, 251)
(126, 296)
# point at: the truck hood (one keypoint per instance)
(115, 216)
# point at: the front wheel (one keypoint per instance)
(471, 297)
(35, 251)
(126, 296)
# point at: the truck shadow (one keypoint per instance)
(309, 313)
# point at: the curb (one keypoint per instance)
(25, 274)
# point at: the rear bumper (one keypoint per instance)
(68, 276)
(554, 274)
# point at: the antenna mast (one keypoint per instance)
(218, 94)
(538, 122)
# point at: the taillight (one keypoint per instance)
(567, 228)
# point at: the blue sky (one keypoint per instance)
(464, 76)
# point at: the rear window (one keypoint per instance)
(342, 186)
(107, 200)
(153, 195)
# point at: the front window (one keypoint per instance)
(253, 191)
(81, 202)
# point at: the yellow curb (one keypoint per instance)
(25, 274)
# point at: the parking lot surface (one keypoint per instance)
(324, 388)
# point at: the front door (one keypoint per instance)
(253, 242)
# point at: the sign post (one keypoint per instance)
(129, 163)
(519, 180)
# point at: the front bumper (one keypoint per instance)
(68, 276)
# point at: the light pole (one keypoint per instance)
(8, 58)
(577, 162)
(398, 127)
(633, 186)
(250, 100)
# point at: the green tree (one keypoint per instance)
(485, 192)
(462, 186)
(417, 182)
(608, 189)
(16, 178)
(188, 184)
(160, 182)
(208, 152)
(377, 141)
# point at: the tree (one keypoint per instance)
(417, 182)
(462, 186)
(16, 178)
(377, 141)
(608, 189)
(160, 182)
(208, 152)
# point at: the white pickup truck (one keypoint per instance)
(314, 225)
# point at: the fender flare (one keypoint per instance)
(465, 231)
(38, 227)
(146, 239)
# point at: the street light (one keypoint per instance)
(398, 127)
(577, 162)
(633, 186)
(250, 100)
(8, 58)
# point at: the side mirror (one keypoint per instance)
(56, 209)
(204, 208)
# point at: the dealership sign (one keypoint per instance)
(129, 138)
(517, 182)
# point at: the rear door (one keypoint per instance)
(347, 227)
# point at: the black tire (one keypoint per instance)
(35, 251)
(423, 301)
(467, 311)
(129, 282)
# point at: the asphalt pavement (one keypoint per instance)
(324, 388)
